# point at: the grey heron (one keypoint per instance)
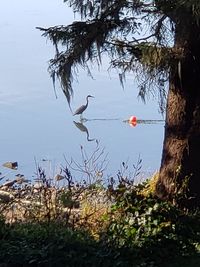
(82, 108)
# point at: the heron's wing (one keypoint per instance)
(79, 110)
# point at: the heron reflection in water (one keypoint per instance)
(83, 128)
(82, 108)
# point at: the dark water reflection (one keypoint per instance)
(84, 129)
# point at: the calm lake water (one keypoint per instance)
(36, 125)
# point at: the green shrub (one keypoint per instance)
(135, 229)
(156, 229)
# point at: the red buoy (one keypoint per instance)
(133, 121)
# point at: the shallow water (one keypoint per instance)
(37, 126)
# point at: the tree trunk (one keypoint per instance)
(179, 177)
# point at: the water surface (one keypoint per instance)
(36, 125)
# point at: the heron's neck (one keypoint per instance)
(87, 101)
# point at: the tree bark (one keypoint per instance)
(179, 176)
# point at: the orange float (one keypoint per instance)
(133, 121)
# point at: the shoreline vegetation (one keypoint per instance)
(59, 221)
